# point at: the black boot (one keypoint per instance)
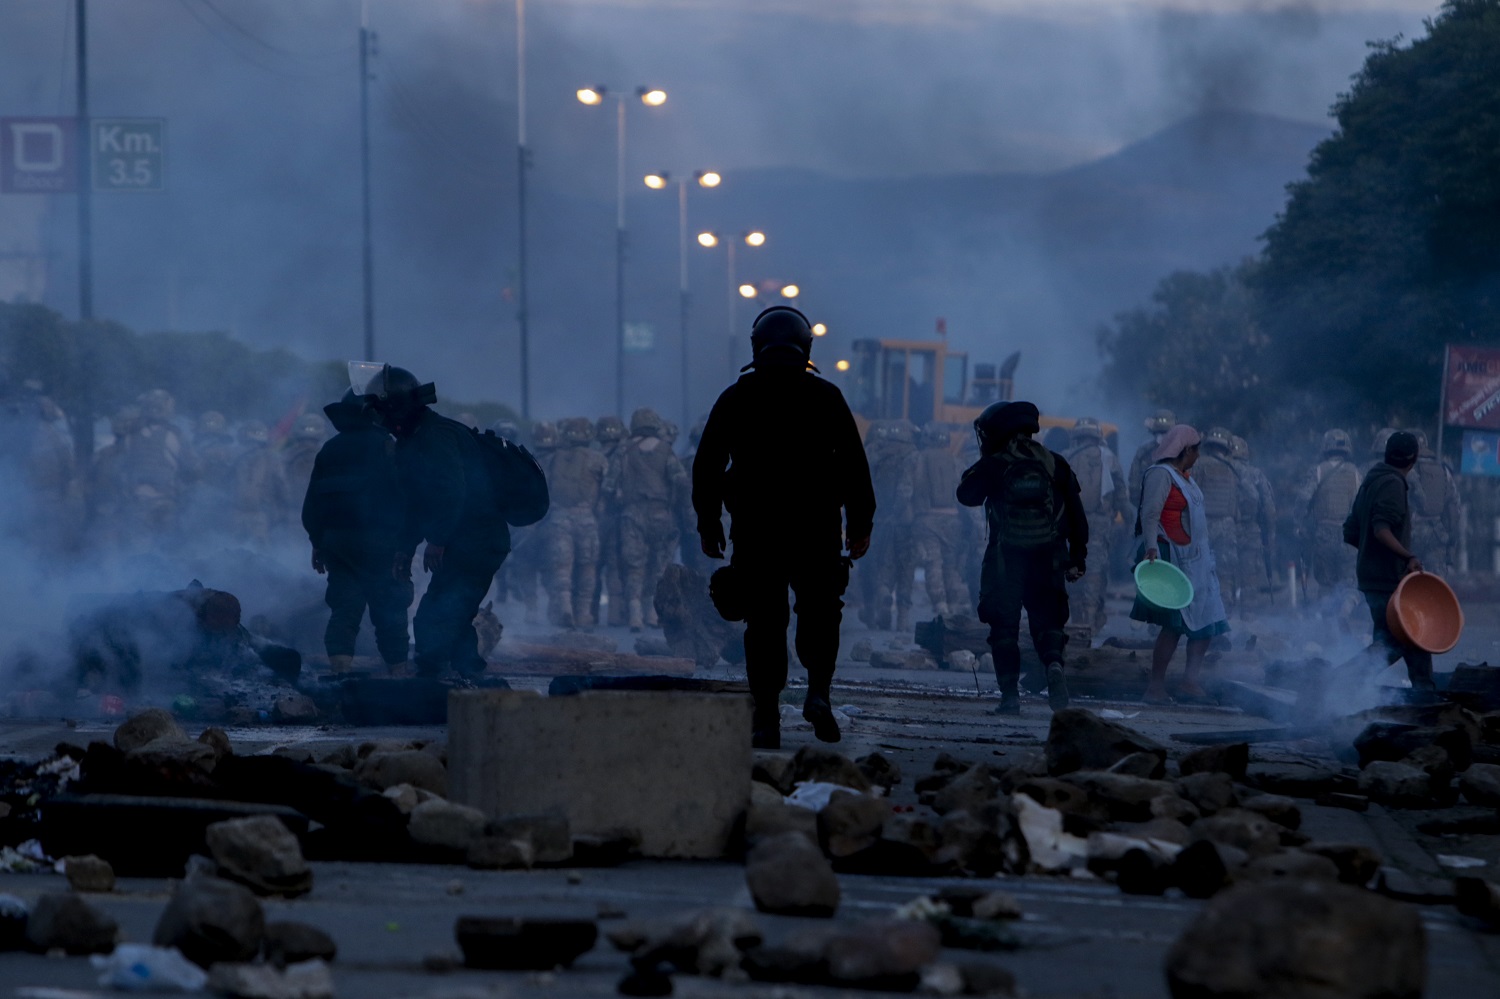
(1057, 687)
(1010, 701)
(765, 727)
(818, 711)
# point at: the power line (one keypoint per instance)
(239, 51)
(268, 46)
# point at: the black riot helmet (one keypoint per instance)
(395, 394)
(1002, 421)
(781, 335)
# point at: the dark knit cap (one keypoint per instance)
(1401, 450)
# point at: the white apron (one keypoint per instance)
(1196, 559)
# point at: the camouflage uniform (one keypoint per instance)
(890, 448)
(1324, 500)
(261, 497)
(1101, 482)
(1222, 497)
(692, 554)
(1257, 526)
(647, 481)
(1158, 424)
(160, 466)
(110, 485)
(937, 526)
(609, 431)
(301, 451)
(570, 538)
(215, 448)
(1436, 510)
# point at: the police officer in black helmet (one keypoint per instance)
(1039, 538)
(454, 510)
(781, 452)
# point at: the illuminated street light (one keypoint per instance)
(755, 239)
(790, 291)
(652, 98)
(657, 181)
(842, 365)
(591, 95)
(708, 178)
(820, 329)
(747, 291)
(708, 240)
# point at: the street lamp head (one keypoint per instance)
(591, 95)
(755, 239)
(820, 329)
(747, 291)
(708, 178)
(708, 240)
(842, 365)
(652, 97)
(657, 181)
(790, 291)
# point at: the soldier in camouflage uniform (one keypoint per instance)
(161, 465)
(1377, 453)
(891, 450)
(215, 447)
(308, 435)
(692, 555)
(1436, 511)
(570, 538)
(261, 497)
(1324, 500)
(1101, 481)
(109, 488)
(1157, 424)
(609, 432)
(937, 526)
(1257, 528)
(1217, 476)
(648, 482)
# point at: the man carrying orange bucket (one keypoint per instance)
(1379, 525)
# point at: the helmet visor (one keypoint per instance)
(367, 378)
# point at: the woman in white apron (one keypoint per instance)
(1174, 526)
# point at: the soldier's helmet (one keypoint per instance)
(1421, 436)
(506, 429)
(1337, 441)
(125, 421)
(935, 436)
(254, 432)
(1239, 448)
(543, 436)
(1220, 439)
(1161, 421)
(310, 428)
(609, 430)
(646, 422)
(576, 431)
(1087, 429)
(212, 424)
(782, 330)
(902, 432)
(1377, 446)
(157, 405)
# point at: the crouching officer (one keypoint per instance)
(1039, 538)
(797, 486)
(355, 514)
(455, 511)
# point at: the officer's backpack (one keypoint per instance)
(1023, 511)
(519, 484)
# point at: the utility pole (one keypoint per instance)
(83, 410)
(366, 44)
(620, 257)
(522, 164)
(682, 298)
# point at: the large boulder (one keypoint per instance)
(443, 825)
(851, 823)
(420, 769)
(260, 853)
(814, 763)
(1396, 784)
(788, 875)
(212, 921)
(64, 921)
(1299, 940)
(145, 727)
(1081, 740)
(1480, 785)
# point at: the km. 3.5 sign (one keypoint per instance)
(129, 154)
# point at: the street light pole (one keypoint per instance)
(620, 256)
(523, 313)
(83, 431)
(682, 289)
(733, 291)
(367, 260)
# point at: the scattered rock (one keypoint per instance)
(1356, 862)
(1255, 834)
(13, 916)
(211, 920)
(887, 956)
(1478, 898)
(1147, 765)
(1209, 792)
(1048, 846)
(968, 791)
(521, 944)
(1480, 785)
(89, 874)
(381, 770)
(768, 819)
(260, 853)
(1291, 864)
(496, 853)
(985, 979)
(880, 770)
(289, 942)
(1349, 802)
(146, 727)
(1395, 883)
(548, 833)
(1128, 799)
(217, 740)
(1391, 742)
(775, 769)
(1300, 940)
(173, 753)
(443, 825)
(1165, 830)
(708, 942)
(1204, 867)
(65, 921)
(1396, 784)
(308, 980)
(910, 842)
(1278, 808)
(1175, 809)
(1080, 740)
(406, 797)
(788, 875)
(1233, 759)
(851, 823)
(862, 650)
(1068, 798)
(898, 659)
(1295, 779)
(814, 763)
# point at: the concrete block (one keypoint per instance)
(668, 765)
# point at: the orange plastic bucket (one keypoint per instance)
(1424, 611)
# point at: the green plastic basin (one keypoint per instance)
(1163, 584)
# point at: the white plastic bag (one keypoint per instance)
(142, 968)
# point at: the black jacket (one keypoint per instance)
(354, 499)
(445, 476)
(781, 452)
(982, 480)
(1380, 502)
